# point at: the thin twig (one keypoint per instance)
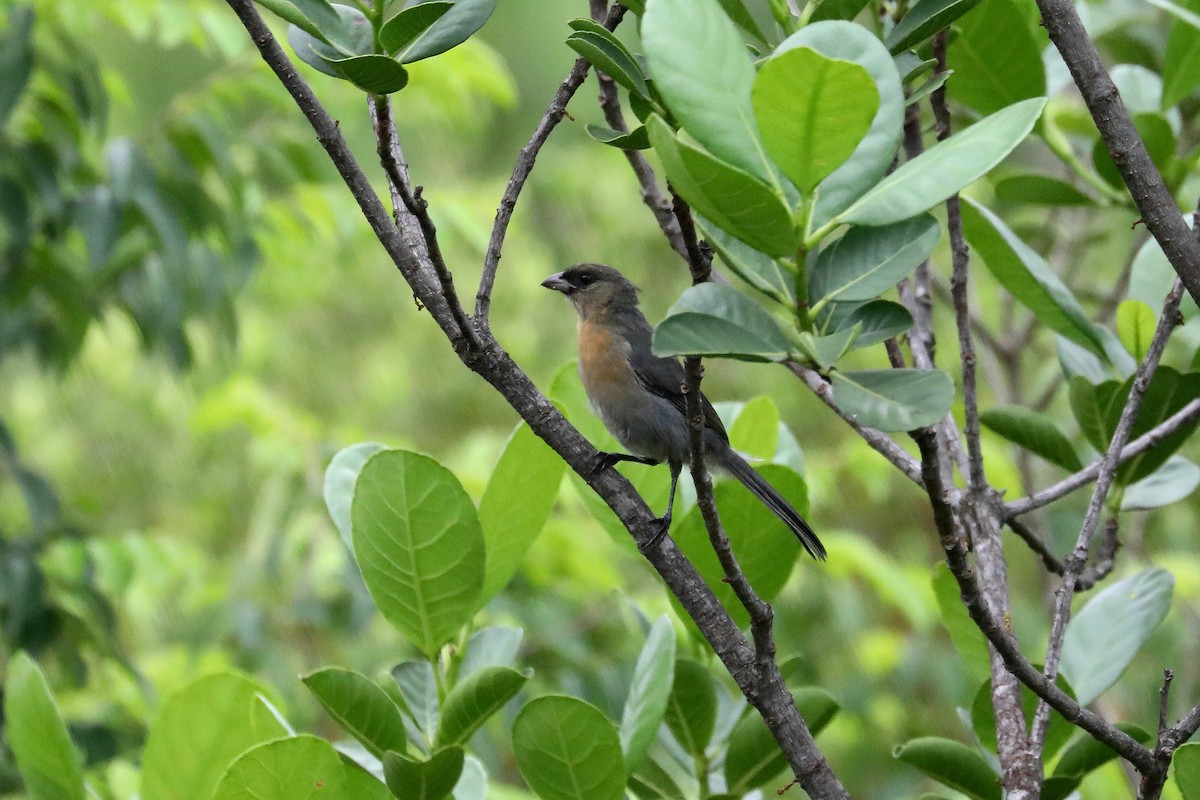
(652, 195)
(1104, 480)
(1184, 416)
(761, 615)
(1026, 534)
(879, 441)
(1164, 694)
(387, 145)
(520, 174)
(1106, 557)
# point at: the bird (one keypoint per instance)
(640, 397)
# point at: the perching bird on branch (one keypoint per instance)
(639, 396)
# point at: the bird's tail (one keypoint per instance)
(773, 500)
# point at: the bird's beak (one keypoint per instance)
(557, 283)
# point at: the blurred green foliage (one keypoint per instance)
(167, 421)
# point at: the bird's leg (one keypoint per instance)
(606, 460)
(664, 522)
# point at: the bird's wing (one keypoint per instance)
(665, 377)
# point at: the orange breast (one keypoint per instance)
(604, 363)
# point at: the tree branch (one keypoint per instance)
(489, 360)
(1145, 183)
(388, 147)
(554, 114)
(1184, 416)
(944, 500)
(1104, 480)
(879, 441)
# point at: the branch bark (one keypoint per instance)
(1150, 194)
(483, 355)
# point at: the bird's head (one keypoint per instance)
(594, 288)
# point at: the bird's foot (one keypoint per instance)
(603, 462)
(662, 525)
(606, 460)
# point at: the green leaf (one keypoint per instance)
(995, 59)
(473, 784)
(475, 698)
(637, 139)
(824, 351)
(519, 497)
(402, 29)
(49, 764)
(359, 40)
(651, 782)
(816, 705)
(927, 88)
(983, 719)
(837, 9)
(362, 709)
(1033, 431)
(1170, 483)
(201, 729)
(419, 546)
(1085, 754)
(340, 476)
(733, 199)
(875, 153)
(702, 69)
(297, 768)
(946, 168)
(812, 112)
(691, 712)
(374, 73)
(877, 321)
(714, 320)
(894, 399)
(317, 18)
(1028, 277)
(16, 59)
(1181, 61)
(753, 759)
(434, 779)
(450, 30)
(493, 646)
(1098, 408)
(737, 12)
(1184, 15)
(1151, 277)
(911, 66)
(1040, 190)
(755, 430)
(567, 750)
(647, 699)
(763, 545)
(1156, 134)
(605, 52)
(1135, 327)
(866, 262)
(968, 640)
(1185, 768)
(924, 19)
(1105, 635)
(953, 764)
(418, 690)
(758, 269)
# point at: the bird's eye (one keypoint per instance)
(585, 278)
